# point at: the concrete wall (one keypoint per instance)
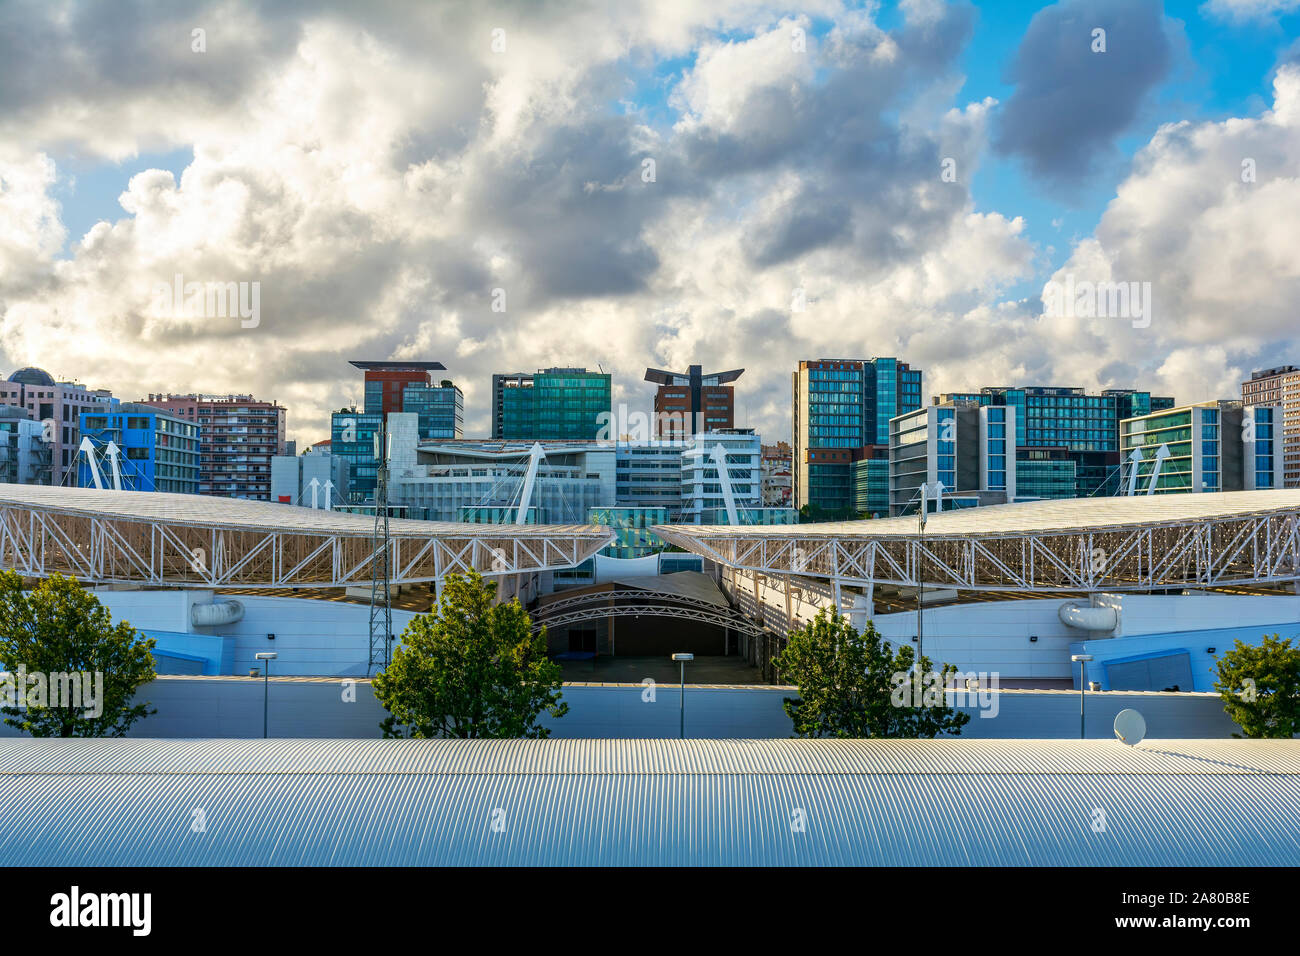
(312, 637)
(996, 635)
(232, 707)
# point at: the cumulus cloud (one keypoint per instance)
(1206, 217)
(381, 171)
(1078, 89)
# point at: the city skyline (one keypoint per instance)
(729, 185)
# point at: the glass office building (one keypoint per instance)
(157, 451)
(842, 409)
(871, 485)
(1087, 426)
(553, 404)
(441, 410)
(1207, 447)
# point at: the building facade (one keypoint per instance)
(1209, 446)
(552, 404)
(1280, 387)
(292, 478)
(841, 412)
(966, 447)
(393, 388)
(688, 403)
(1085, 426)
(778, 485)
(156, 451)
(704, 498)
(58, 406)
(25, 453)
(238, 437)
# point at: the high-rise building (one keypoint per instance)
(156, 450)
(238, 437)
(871, 482)
(1209, 446)
(552, 404)
(1085, 426)
(690, 402)
(58, 406)
(842, 410)
(385, 382)
(963, 446)
(393, 388)
(1280, 386)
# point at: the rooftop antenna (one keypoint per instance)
(381, 605)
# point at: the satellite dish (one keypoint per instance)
(1130, 728)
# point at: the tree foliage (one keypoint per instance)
(853, 685)
(1260, 687)
(60, 628)
(471, 669)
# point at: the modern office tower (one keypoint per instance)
(1086, 426)
(963, 445)
(25, 456)
(385, 382)
(393, 388)
(553, 404)
(690, 402)
(58, 406)
(777, 482)
(352, 438)
(238, 437)
(1210, 446)
(292, 477)
(842, 407)
(156, 450)
(871, 482)
(1280, 386)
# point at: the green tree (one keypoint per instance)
(59, 628)
(1260, 687)
(472, 669)
(852, 685)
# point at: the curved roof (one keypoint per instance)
(643, 802)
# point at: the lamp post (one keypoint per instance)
(682, 659)
(1082, 661)
(266, 659)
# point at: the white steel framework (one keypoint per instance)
(639, 603)
(1106, 544)
(150, 538)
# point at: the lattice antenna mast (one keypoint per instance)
(381, 605)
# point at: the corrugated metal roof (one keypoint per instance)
(362, 802)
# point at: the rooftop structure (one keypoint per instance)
(200, 541)
(1148, 542)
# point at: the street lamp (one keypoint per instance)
(1082, 661)
(682, 659)
(266, 659)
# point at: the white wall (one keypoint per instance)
(312, 637)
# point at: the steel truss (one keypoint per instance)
(592, 607)
(40, 540)
(1207, 552)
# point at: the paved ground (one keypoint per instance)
(633, 670)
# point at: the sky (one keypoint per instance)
(507, 185)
